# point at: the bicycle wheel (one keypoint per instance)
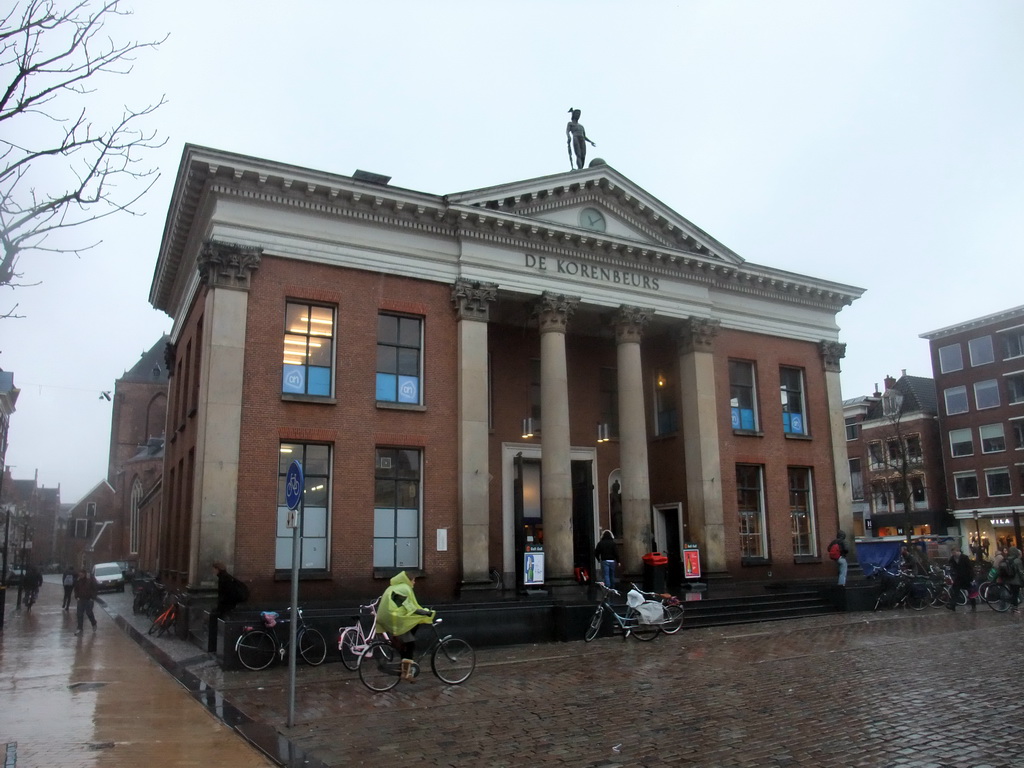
(312, 646)
(380, 666)
(595, 624)
(645, 632)
(158, 622)
(453, 661)
(997, 597)
(256, 649)
(346, 643)
(919, 600)
(170, 617)
(673, 619)
(139, 603)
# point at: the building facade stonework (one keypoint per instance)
(448, 368)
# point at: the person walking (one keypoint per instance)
(963, 576)
(607, 554)
(837, 550)
(86, 589)
(1016, 580)
(68, 580)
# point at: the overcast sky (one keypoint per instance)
(877, 144)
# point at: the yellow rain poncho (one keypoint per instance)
(399, 611)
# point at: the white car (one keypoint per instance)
(109, 576)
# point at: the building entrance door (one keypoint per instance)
(669, 527)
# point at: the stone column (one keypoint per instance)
(831, 353)
(226, 269)
(700, 440)
(553, 313)
(636, 486)
(471, 300)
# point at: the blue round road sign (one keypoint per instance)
(293, 485)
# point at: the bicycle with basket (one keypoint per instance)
(257, 646)
(640, 618)
(352, 641)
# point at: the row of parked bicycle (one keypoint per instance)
(900, 587)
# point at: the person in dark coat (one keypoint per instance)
(68, 582)
(86, 589)
(963, 576)
(607, 554)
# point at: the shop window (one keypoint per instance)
(308, 350)
(315, 517)
(743, 396)
(750, 505)
(397, 508)
(399, 359)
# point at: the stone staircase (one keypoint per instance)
(753, 607)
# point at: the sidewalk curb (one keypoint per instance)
(263, 737)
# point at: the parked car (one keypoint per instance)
(109, 576)
(14, 576)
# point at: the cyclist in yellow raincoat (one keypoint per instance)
(400, 615)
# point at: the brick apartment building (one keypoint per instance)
(895, 453)
(473, 379)
(978, 366)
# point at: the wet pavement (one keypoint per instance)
(924, 689)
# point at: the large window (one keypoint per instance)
(856, 480)
(1015, 388)
(917, 492)
(791, 385)
(1013, 343)
(997, 482)
(313, 521)
(134, 523)
(742, 395)
(852, 429)
(399, 359)
(981, 351)
(961, 443)
(986, 394)
(956, 400)
(950, 358)
(801, 510)
(308, 349)
(396, 508)
(915, 454)
(665, 413)
(1017, 428)
(992, 438)
(609, 395)
(966, 485)
(875, 455)
(750, 505)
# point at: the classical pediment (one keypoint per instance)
(600, 203)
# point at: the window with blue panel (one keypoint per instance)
(308, 350)
(399, 359)
(791, 385)
(742, 395)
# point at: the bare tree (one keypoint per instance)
(59, 170)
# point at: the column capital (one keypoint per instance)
(697, 333)
(629, 323)
(831, 353)
(228, 265)
(472, 298)
(553, 311)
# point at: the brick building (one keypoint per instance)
(895, 454)
(478, 379)
(978, 366)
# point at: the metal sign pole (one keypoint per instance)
(294, 492)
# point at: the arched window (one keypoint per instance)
(133, 542)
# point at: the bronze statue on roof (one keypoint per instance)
(576, 139)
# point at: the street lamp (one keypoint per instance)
(977, 533)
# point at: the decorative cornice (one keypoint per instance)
(696, 334)
(629, 323)
(472, 299)
(553, 311)
(831, 353)
(228, 265)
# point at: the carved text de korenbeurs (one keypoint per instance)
(591, 272)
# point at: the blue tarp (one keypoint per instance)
(874, 554)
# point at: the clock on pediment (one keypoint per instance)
(593, 219)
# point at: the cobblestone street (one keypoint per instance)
(890, 689)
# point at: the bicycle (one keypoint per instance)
(352, 641)
(149, 597)
(901, 588)
(167, 619)
(672, 607)
(30, 597)
(257, 647)
(996, 595)
(629, 623)
(452, 660)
